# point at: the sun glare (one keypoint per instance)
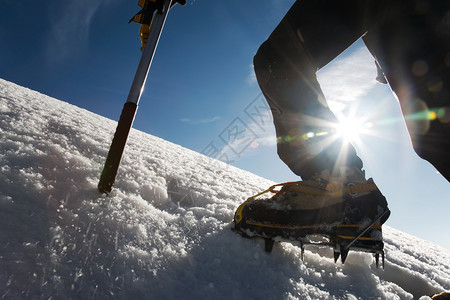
(349, 129)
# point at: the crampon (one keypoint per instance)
(352, 223)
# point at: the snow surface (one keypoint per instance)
(164, 231)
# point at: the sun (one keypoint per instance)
(350, 128)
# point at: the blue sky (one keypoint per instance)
(201, 90)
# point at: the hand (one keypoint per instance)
(145, 15)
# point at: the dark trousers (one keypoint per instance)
(409, 40)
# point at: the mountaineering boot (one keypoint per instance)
(441, 296)
(342, 206)
(322, 201)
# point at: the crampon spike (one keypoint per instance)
(336, 255)
(377, 259)
(268, 246)
(302, 247)
(344, 254)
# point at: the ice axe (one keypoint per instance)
(152, 18)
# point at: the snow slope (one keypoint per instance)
(164, 231)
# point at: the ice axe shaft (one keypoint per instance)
(125, 123)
